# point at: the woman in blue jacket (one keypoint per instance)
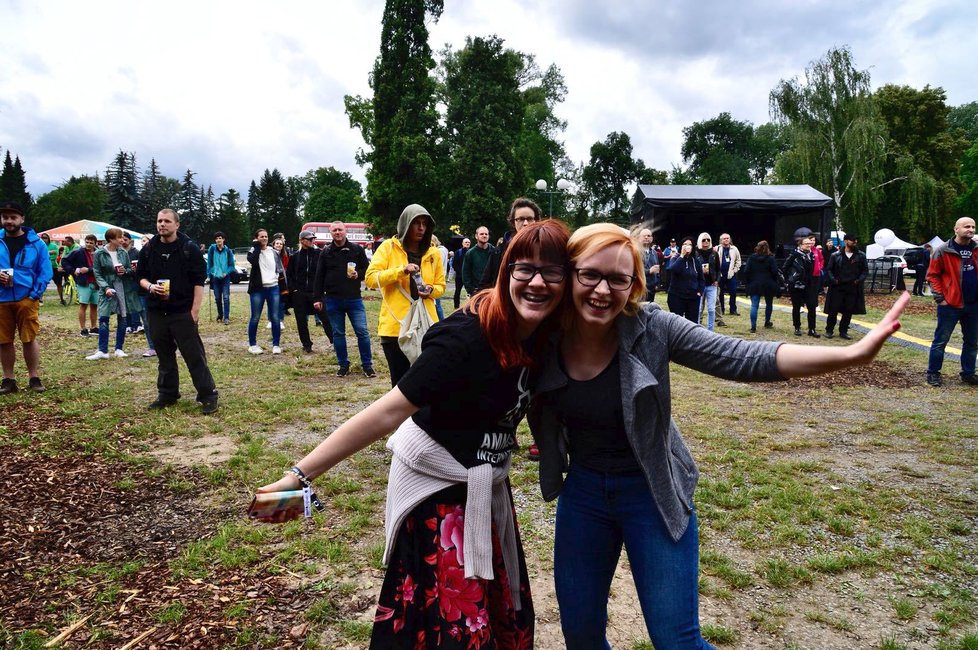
(686, 281)
(602, 412)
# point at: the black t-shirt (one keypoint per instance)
(469, 404)
(591, 411)
(15, 245)
(181, 263)
(969, 280)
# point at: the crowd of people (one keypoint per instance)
(559, 329)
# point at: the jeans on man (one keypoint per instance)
(598, 513)
(179, 331)
(339, 309)
(222, 296)
(947, 318)
(709, 297)
(728, 287)
(103, 333)
(302, 303)
(268, 297)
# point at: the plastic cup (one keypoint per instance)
(166, 288)
(351, 269)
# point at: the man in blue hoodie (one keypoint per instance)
(25, 270)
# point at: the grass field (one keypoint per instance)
(837, 512)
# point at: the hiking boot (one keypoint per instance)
(845, 335)
(370, 374)
(934, 379)
(35, 384)
(209, 405)
(814, 334)
(8, 386)
(971, 380)
(343, 371)
(162, 403)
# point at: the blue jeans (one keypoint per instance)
(145, 317)
(103, 333)
(266, 296)
(222, 296)
(338, 309)
(438, 309)
(596, 514)
(947, 318)
(710, 297)
(755, 304)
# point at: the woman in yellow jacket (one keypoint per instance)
(392, 269)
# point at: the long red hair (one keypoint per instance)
(546, 240)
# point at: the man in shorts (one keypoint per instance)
(25, 270)
(79, 264)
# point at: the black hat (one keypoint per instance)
(11, 206)
(307, 234)
(850, 237)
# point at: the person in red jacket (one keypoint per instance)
(953, 279)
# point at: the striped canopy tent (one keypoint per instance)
(78, 229)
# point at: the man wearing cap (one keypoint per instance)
(25, 270)
(953, 278)
(301, 278)
(342, 266)
(845, 273)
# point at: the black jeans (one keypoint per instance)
(458, 288)
(179, 331)
(844, 298)
(688, 308)
(808, 297)
(396, 361)
(302, 304)
(919, 282)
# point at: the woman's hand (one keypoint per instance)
(287, 483)
(866, 349)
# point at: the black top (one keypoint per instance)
(331, 278)
(469, 405)
(15, 245)
(181, 263)
(591, 411)
(301, 274)
(761, 275)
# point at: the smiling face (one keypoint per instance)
(262, 238)
(278, 245)
(534, 299)
(482, 236)
(600, 305)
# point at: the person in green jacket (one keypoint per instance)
(54, 254)
(115, 278)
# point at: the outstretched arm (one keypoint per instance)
(367, 426)
(807, 360)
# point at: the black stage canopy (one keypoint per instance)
(749, 213)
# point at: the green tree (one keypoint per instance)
(609, 170)
(767, 143)
(254, 210)
(332, 194)
(123, 206)
(923, 158)
(276, 204)
(13, 184)
(401, 129)
(81, 197)
(965, 117)
(967, 202)
(157, 192)
(483, 118)
(230, 218)
(539, 149)
(718, 150)
(837, 140)
(187, 202)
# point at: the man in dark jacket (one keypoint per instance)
(457, 262)
(301, 277)
(172, 271)
(845, 273)
(476, 260)
(341, 267)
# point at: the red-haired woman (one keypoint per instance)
(456, 575)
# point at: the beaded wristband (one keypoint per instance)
(304, 480)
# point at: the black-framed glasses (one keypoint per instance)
(616, 281)
(524, 219)
(552, 274)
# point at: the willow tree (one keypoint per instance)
(836, 137)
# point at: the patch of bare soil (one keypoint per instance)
(209, 450)
(880, 374)
(64, 516)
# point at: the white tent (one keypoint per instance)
(936, 241)
(886, 243)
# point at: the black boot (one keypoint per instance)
(814, 334)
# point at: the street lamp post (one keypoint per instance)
(562, 186)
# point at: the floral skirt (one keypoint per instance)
(426, 601)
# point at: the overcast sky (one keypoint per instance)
(230, 89)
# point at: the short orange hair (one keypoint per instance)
(588, 240)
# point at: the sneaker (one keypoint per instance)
(254, 349)
(149, 353)
(119, 353)
(209, 405)
(129, 331)
(161, 403)
(971, 380)
(35, 384)
(227, 321)
(933, 378)
(720, 323)
(769, 325)
(533, 452)
(84, 332)
(753, 330)
(369, 373)
(343, 371)
(276, 349)
(268, 325)
(8, 386)
(797, 332)
(98, 355)
(139, 328)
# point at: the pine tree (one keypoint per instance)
(124, 207)
(254, 210)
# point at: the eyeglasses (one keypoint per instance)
(526, 273)
(524, 219)
(616, 281)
